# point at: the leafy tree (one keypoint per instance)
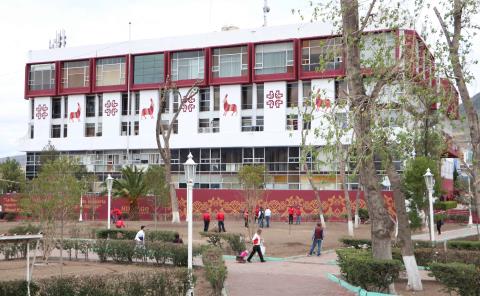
(131, 186)
(12, 176)
(252, 179)
(52, 197)
(155, 181)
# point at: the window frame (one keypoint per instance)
(189, 82)
(41, 92)
(138, 86)
(306, 75)
(235, 79)
(275, 76)
(116, 87)
(64, 81)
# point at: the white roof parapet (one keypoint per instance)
(221, 38)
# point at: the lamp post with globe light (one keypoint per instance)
(190, 168)
(109, 182)
(429, 181)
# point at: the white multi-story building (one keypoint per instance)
(244, 113)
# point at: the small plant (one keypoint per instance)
(215, 268)
(464, 279)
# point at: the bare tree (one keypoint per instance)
(165, 130)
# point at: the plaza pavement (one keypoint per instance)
(448, 234)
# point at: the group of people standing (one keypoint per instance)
(298, 212)
(220, 220)
(262, 217)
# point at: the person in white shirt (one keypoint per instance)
(140, 236)
(268, 214)
(257, 241)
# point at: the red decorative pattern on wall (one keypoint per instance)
(75, 114)
(274, 99)
(148, 111)
(111, 108)
(228, 107)
(41, 112)
(189, 104)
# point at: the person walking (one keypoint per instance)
(268, 214)
(257, 242)
(245, 217)
(140, 236)
(298, 212)
(439, 225)
(261, 217)
(317, 239)
(290, 215)
(206, 221)
(221, 221)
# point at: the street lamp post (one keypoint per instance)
(429, 182)
(470, 218)
(190, 168)
(80, 219)
(109, 182)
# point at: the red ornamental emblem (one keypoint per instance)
(111, 108)
(189, 105)
(274, 99)
(41, 112)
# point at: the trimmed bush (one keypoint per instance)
(360, 269)
(24, 229)
(235, 241)
(427, 256)
(123, 234)
(464, 245)
(356, 243)
(17, 288)
(458, 218)
(363, 214)
(10, 217)
(461, 278)
(215, 268)
(445, 205)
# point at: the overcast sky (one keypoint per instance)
(28, 25)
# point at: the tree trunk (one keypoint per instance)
(404, 233)
(343, 177)
(61, 246)
(317, 196)
(173, 194)
(382, 226)
(357, 206)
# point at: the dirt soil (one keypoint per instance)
(430, 288)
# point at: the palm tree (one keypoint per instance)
(131, 186)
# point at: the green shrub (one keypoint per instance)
(442, 217)
(17, 288)
(427, 256)
(24, 229)
(161, 235)
(458, 218)
(445, 205)
(121, 251)
(464, 245)
(356, 243)
(10, 217)
(360, 269)
(234, 240)
(213, 238)
(215, 269)
(363, 214)
(101, 248)
(461, 278)
(123, 234)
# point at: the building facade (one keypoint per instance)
(244, 113)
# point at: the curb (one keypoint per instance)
(357, 290)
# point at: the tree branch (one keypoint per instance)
(364, 23)
(444, 27)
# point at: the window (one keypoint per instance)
(76, 74)
(216, 98)
(165, 101)
(56, 130)
(126, 128)
(165, 124)
(379, 49)
(110, 71)
(65, 130)
(207, 125)
(260, 95)
(65, 107)
(126, 104)
(205, 99)
(322, 54)
(148, 68)
(100, 105)
(90, 106)
(32, 131)
(41, 77)
(176, 102)
(341, 92)
(292, 94)
(56, 108)
(188, 65)
(341, 120)
(307, 122)
(247, 99)
(246, 124)
(89, 129)
(99, 129)
(307, 90)
(259, 124)
(137, 103)
(292, 122)
(32, 108)
(136, 128)
(230, 62)
(274, 58)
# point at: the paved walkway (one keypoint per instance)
(300, 275)
(448, 235)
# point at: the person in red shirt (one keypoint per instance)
(256, 214)
(206, 221)
(119, 223)
(221, 219)
(290, 215)
(298, 212)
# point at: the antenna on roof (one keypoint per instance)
(266, 10)
(59, 41)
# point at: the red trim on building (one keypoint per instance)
(43, 92)
(190, 82)
(76, 90)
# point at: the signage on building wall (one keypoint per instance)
(41, 112)
(111, 108)
(228, 107)
(148, 111)
(75, 114)
(189, 104)
(274, 99)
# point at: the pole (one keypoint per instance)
(28, 268)
(109, 207)
(190, 236)
(80, 218)
(470, 218)
(430, 203)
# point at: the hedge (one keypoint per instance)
(174, 282)
(158, 235)
(464, 245)
(360, 269)
(235, 241)
(215, 269)
(445, 205)
(463, 279)
(356, 243)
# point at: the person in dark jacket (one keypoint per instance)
(317, 239)
(439, 226)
